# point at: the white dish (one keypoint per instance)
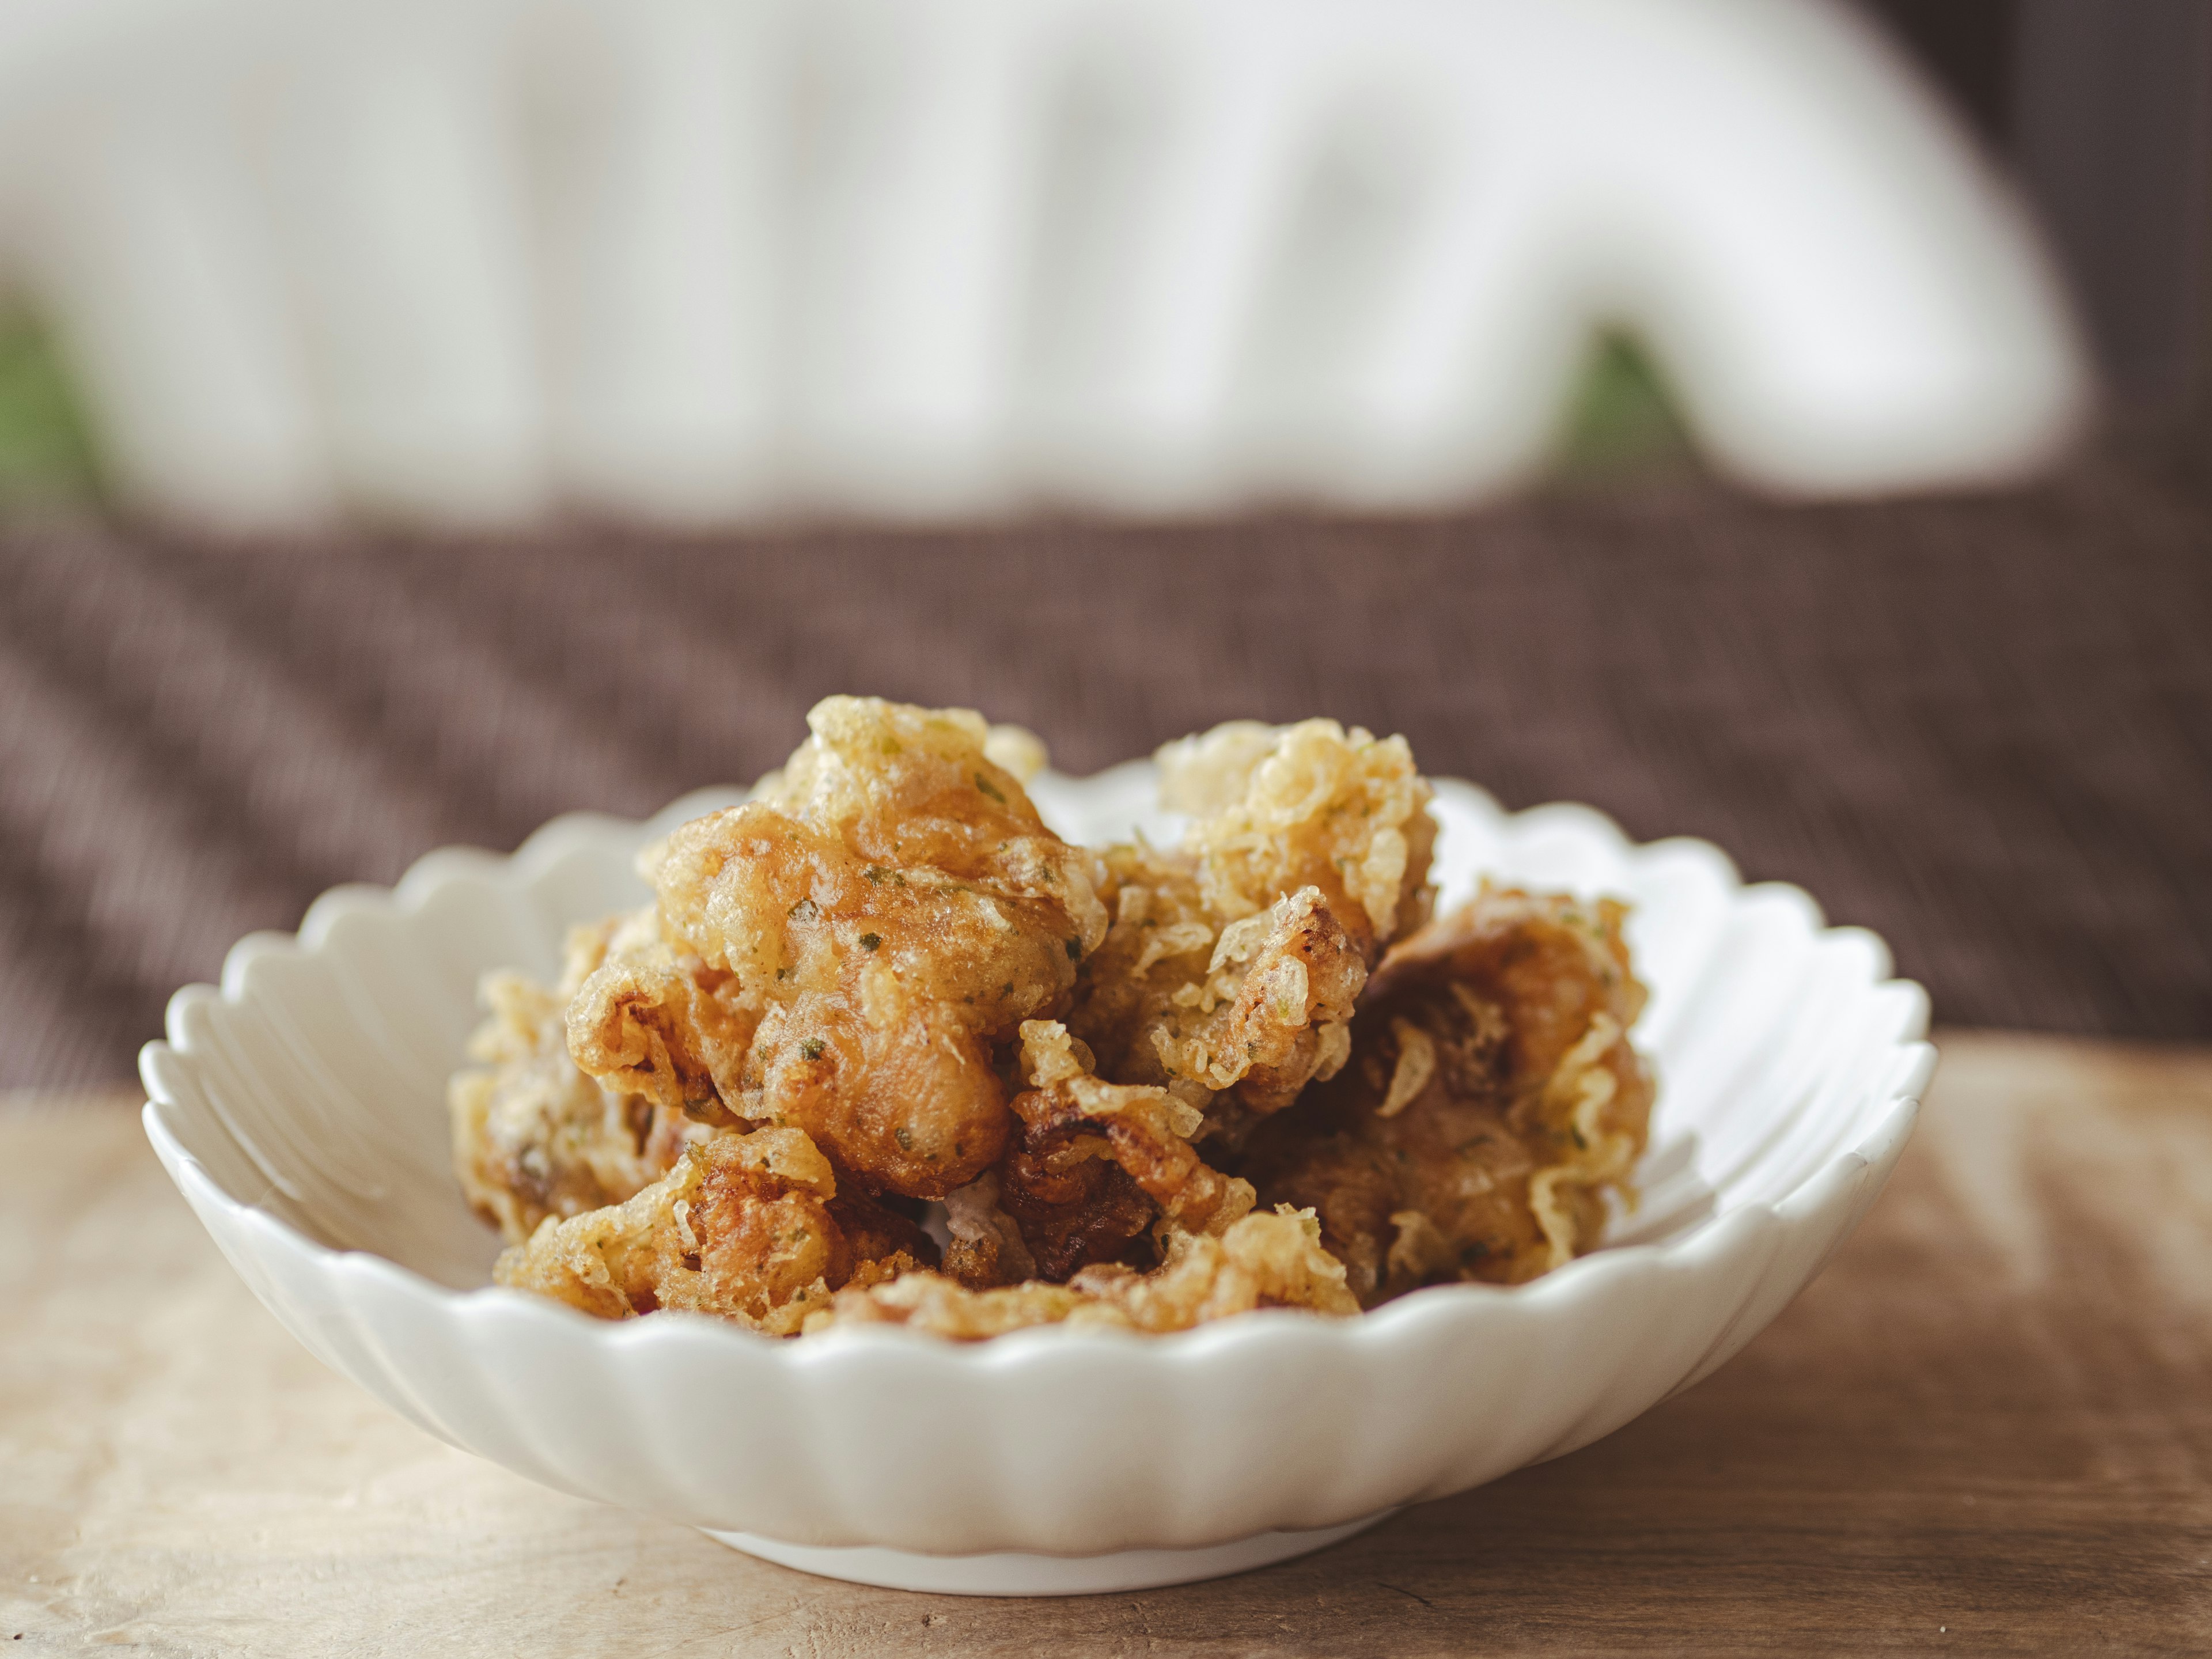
(300, 1109)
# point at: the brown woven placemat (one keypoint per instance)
(1982, 726)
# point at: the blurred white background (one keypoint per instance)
(707, 261)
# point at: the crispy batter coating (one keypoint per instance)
(1260, 1260)
(534, 1137)
(1277, 808)
(885, 913)
(1493, 1100)
(650, 1016)
(1231, 971)
(1094, 1166)
(750, 1227)
(885, 977)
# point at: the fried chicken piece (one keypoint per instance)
(1492, 1101)
(1234, 961)
(533, 1136)
(748, 1227)
(864, 962)
(887, 911)
(1270, 1014)
(1095, 1166)
(1260, 1260)
(1068, 1203)
(648, 1011)
(1277, 808)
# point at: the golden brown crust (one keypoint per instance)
(1235, 959)
(1095, 1165)
(1266, 1261)
(882, 980)
(1276, 808)
(1492, 1102)
(844, 953)
(653, 1017)
(749, 1227)
(534, 1137)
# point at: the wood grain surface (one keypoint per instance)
(1987, 1429)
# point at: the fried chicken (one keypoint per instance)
(867, 931)
(1260, 1260)
(1094, 1167)
(651, 1016)
(533, 1136)
(750, 1227)
(1492, 1101)
(1230, 974)
(882, 980)
(1275, 809)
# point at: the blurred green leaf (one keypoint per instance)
(45, 451)
(1623, 419)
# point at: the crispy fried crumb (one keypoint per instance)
(847, 951)
(1152, 1087)
(534, 1137)
(1094, 1167)
(1491, 1102)
(1234, 961)
(750, 1227)
(1272, 1261)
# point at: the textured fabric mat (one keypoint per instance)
(1983, 727)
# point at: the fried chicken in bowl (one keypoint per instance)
(1333, 1209)
(1156, 1086)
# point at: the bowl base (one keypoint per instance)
(1015, 1574)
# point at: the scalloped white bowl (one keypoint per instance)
(300, 1109)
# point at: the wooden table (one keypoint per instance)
(1987, 1429)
